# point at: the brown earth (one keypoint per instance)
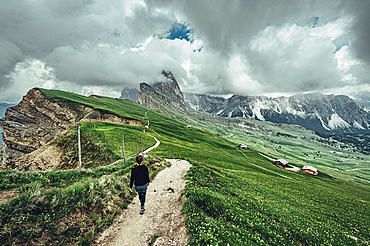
(45, 158)
(7, 195)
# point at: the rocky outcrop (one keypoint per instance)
(37, 120)
(46, 158)
(105, 116)
(166, 93)
(147, 95)
(32, 123)
(170, 86)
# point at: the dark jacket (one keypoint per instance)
(139, 175)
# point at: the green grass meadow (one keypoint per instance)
(230, 201)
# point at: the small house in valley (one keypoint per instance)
(310, 170)
(243, 146)
(281, 163)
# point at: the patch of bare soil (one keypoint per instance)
(44, 158)
(163, 216)
(7, 195)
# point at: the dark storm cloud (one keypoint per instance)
(361, 29)
(10, 55)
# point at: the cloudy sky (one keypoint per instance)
(245, 47)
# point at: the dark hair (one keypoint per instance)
(139, 158)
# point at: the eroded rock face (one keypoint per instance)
(104, 116)
(144, 97)
(32, 123)
(170, 86)
(165, 93)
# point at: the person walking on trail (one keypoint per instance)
(140, 176)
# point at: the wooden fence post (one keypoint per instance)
(141, 142)
(79, 145)
(123, 149)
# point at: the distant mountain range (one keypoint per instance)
(318, 112)
(314, 111)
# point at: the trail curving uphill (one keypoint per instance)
(163, 216)
(154, 146)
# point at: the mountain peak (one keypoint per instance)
(170, 86)
(169, 76)
(167, 93)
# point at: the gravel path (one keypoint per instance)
(163, 216)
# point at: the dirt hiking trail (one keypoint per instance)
(163, 215)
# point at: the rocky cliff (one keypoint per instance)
(166, 93)
(3, 107)
(32, 123)
(37, 120)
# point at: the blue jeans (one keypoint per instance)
(141, 190)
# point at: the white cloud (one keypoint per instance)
(333, 29)
(10, 55)
(242, 83)
(27, 75)
(290, 59)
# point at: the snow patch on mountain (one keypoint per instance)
(256, 109)
(322, 122)
(231, 113)
(276, 107)
(336, 122)
(220, 112)
(194, 107)
(357, 125)
(366, 109)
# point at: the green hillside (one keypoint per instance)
(233, 197)
(295, 144)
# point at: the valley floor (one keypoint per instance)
(163, 217)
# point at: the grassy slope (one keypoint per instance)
(232, 202)
(229, 200)
(293, 149)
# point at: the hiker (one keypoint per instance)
(140, 175)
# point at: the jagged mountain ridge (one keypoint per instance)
(318, 112)
(166, 93)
